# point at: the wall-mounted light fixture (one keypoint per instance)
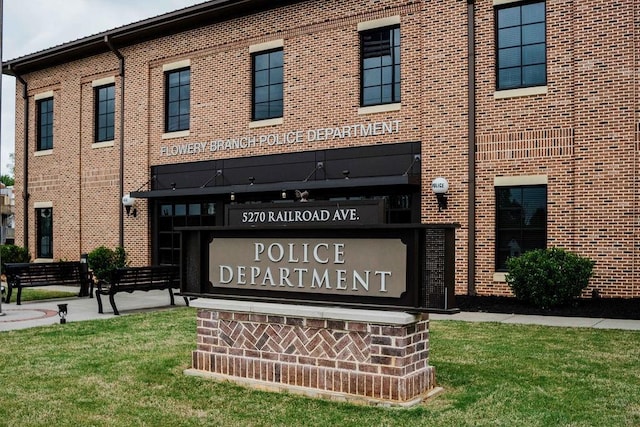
(233, 197)
(346, 173)
(62, 312)
(129, 205)
(283, 194)
(440, 186)
(251, 180)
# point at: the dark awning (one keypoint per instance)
(378, 181)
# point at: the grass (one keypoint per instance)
(33, 294)
(128, 371)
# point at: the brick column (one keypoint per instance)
(358, 355)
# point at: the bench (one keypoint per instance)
(132, 279)
(29, 275)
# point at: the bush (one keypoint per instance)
(13, 253)
(548, 277)
(104, 261)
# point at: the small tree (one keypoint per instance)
(548, 277)
(13, 253)
(104, 261)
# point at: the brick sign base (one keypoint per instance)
(355, 355)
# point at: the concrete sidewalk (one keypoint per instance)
(42, 313)
(575, 322)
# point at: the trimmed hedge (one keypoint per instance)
(104, 261)
(548, 277)
(13, 253)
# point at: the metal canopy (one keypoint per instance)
(378, 181)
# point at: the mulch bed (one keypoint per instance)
(612, 308)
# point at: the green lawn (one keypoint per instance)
(36, 294)
(128, 371)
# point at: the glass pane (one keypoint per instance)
(210, 208)
(166, 210)
(533, 13)
(371, 95)
(509, 78)
(185, 93)
(194, 209)
(173, 79)
(261, 94)
(174, 108)
(371, 77)
(275, 109)
(533, 33)
(261, 111)
(276, 59)
(275, 76)
(261, 78)
(374, 62)
(174, 94)
(509, 37)
(534, 54)
(509, 57)
(534, 75)
(185, 77)
(508, 17)
(387, 60)
(184, 107)
(387, 75)
(386, 94)
(275, 92)
(261, 62)
(110, 106)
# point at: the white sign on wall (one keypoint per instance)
(242, 142)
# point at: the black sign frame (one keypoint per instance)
(195, 264)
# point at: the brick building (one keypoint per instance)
(529, 109)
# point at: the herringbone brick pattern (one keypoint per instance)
(285, 339)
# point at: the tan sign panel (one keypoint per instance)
(358, 267)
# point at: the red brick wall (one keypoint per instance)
(586, 128)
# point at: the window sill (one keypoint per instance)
(177, 134)
(383, 108)
(515, 93)
(265, 123)
(500, 277)
(103, 144)
(37, 260)
(43, 153)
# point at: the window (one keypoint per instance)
(380, 66)
(105, 113)
(45, 124)
(177, 100)
(521, 46)
(44, 224)
(268, 76)
(521, 221)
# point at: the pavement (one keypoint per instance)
(43, 313)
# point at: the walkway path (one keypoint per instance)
(43, 313)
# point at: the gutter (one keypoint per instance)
(25, 160)
(471, 137)
(121, 184)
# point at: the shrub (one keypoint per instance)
(548, 277)
(13, 253)
(104, 261)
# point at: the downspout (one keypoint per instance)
(25, 161)
(121, 74)
(471, 128)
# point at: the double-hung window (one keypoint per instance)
(521, 46)
(177, 100)
(104, 113)
(521, 221)
(45, 124)
(268, 79)
(380, 66)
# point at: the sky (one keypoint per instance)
(30, 26)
